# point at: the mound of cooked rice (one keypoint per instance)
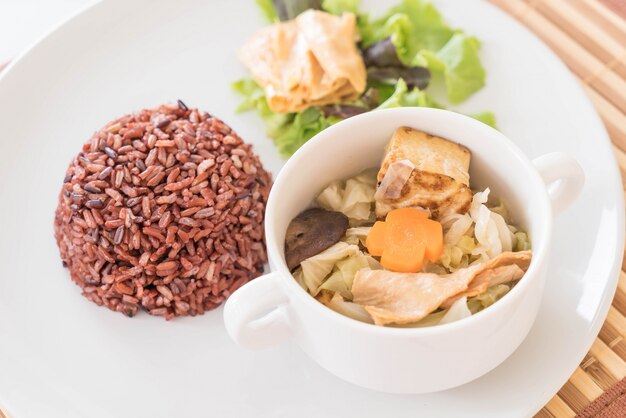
(162, 210)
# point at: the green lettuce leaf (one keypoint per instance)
(338, 7)
(297, 129)
(413, 25)
(268, 10)
(459, 63)
(487, 118)
(254, 99)
(252, 93)
(291, 130)
(421, 37)
(288, 130)
(403, 97)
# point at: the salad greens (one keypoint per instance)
(289, 130)
(408, 52)
(338, 7)
(268, 10)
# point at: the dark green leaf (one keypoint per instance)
(381, 54)
(343, 111)
(289, 9)
(414, 76)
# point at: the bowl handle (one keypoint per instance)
(563, 177)
(256, 315)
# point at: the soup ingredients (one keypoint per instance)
(491, 230)
(437, 255)
(457, 311)
(428, 153)
(353, 197)
(311, 232)
(491, 234)
(505, 268)
(412, 57)
(401, 298)
(405, 239)
(491, 296)
(309, 61)
(340, 279)
(162, 210)
(338, 304)
(391, 297)
(315, 270)
(329, 275)
(439, 180)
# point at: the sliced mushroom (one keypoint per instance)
(311, 232)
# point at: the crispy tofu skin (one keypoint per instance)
(403, 298)
(309, 61)
(439, 181)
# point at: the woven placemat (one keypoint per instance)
(590, 37)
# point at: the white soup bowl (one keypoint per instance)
(274, 307)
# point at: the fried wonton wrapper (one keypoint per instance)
(309, 61)
(440, 178)
(402, 298)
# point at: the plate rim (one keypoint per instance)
(613, 277)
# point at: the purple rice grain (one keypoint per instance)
(162, 211)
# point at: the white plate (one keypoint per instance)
(61, 356)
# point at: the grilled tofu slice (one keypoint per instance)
(440, 178)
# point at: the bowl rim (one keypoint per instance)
(275, 249)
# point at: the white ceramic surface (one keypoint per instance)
(396, 360)
(23, 22)
(62, 357)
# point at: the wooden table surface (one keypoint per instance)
(617, 6)
(590, 37)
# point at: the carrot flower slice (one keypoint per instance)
(404, 239)
(375, 241)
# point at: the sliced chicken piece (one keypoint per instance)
(483, 281)
(402, 298)
(507, 274)
(439, 181)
